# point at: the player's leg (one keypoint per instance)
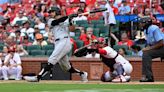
(18, 73)
(67, 66)
(1, 77)
(118, 68)
(59, 52)
(127, 71)
(5, 72)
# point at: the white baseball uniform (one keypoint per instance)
(1, 69)
(62, 44)
(13, 69)
(111, 53)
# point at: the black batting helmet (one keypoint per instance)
(55, 9)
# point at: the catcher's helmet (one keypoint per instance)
(101, 40)
(55, 9)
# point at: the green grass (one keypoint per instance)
(45, 87)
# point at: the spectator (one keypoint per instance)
(1, 66)
(39, 40)
(88, 37)
(156, 8)
(125, 8)
(41, 25)
(5, 51)
(147, 13)
(20, 17)
(1, 33)
(27, 30)
(10, 42)
(110, 20)
(21, 51)
(26, 42)
(12, 65)
(80, 17)
(114, 8)
(50, 39)
(125, 40)
(122, 52)
(136, 50)
(18, 37)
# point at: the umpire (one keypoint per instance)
(153, 49)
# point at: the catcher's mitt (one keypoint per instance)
(81, 52)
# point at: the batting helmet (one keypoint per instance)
(55, 9)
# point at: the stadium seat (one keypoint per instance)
(79, 43)
(77, 33)
(96, 32)
(1, 47)
(87, 25)
(81, 22)
(104, 30)
(129, 52)
(117, 47)
(48, 47)
(34, 47)
(25, 47)
(37, 53)
(49, 52)
(97, 22)
(75, 37)
(19, 23)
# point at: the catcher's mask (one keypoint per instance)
(101, 40)
(55, 9)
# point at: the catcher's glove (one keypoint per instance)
(81, 52)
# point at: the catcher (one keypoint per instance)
(120, 68)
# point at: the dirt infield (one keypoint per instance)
(79, 82)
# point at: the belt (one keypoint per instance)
(115, 56)
(60, 38)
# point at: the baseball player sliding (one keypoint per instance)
(120, 68)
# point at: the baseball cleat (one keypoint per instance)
(119, 79)
(84, 77)
(31, 78)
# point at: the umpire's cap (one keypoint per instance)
(55, 9)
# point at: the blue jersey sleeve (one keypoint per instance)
(158, 35)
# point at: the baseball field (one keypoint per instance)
(77, 86)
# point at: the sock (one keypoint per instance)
(73, 70)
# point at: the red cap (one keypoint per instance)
(46, 14)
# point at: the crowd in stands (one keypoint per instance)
(23, 25)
